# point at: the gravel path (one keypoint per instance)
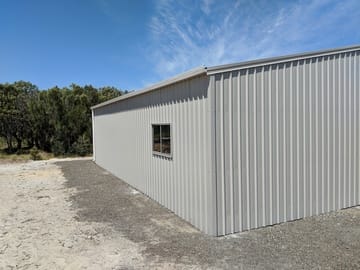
(330, 241)
(74, 215)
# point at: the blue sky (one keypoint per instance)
(131, 44)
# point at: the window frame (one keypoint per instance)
(156, 153)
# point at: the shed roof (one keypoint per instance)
(279, 59)
(181, 77)
(230, 67)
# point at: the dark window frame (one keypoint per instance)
(161, 153)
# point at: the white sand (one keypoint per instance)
(39, 230)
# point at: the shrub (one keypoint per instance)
(34, 154)
(81, 147)
(58, 148)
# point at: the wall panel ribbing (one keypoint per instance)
(287, 140)
(183, 183)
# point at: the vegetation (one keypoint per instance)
(57, 120)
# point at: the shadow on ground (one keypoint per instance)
(326, 241)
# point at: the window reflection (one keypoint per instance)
(162, 138)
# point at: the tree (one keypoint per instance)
(27, 92)
(108, 92)
(14, 115)
(40, 119)
(56, 120)
(7, 113)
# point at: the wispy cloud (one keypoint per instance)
(187, 34)
(206, 6)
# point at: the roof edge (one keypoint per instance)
(181, 77)
(230, 67)
(278, 59)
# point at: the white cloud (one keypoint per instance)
(206, 6)
(187, 35)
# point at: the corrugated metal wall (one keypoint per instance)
(123, 143)
(287, 141)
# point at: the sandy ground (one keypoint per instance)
(39, 229)
(71, 214)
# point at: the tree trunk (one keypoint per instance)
(30, 143)
(9, 144)
(19, 144)
(37, 144)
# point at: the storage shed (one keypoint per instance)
(235, 147)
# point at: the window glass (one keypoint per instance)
(162, 139)
(166, 146)
(156, 138)
(165, 131)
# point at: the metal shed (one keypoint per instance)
(241, 146)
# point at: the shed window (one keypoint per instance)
(161, 139)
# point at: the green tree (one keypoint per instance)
(57, 120)
(41, 123)
(27, 92)
(14, 113)
(108, 92)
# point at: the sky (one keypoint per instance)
(133, 44)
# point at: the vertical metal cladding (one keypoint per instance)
(252, 144)
(184, 182)
(287, 140)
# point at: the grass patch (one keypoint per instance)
(28, 154)
(24, 156)
(2, 143)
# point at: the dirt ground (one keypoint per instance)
(74, 215)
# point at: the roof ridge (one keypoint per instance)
(279, 59)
